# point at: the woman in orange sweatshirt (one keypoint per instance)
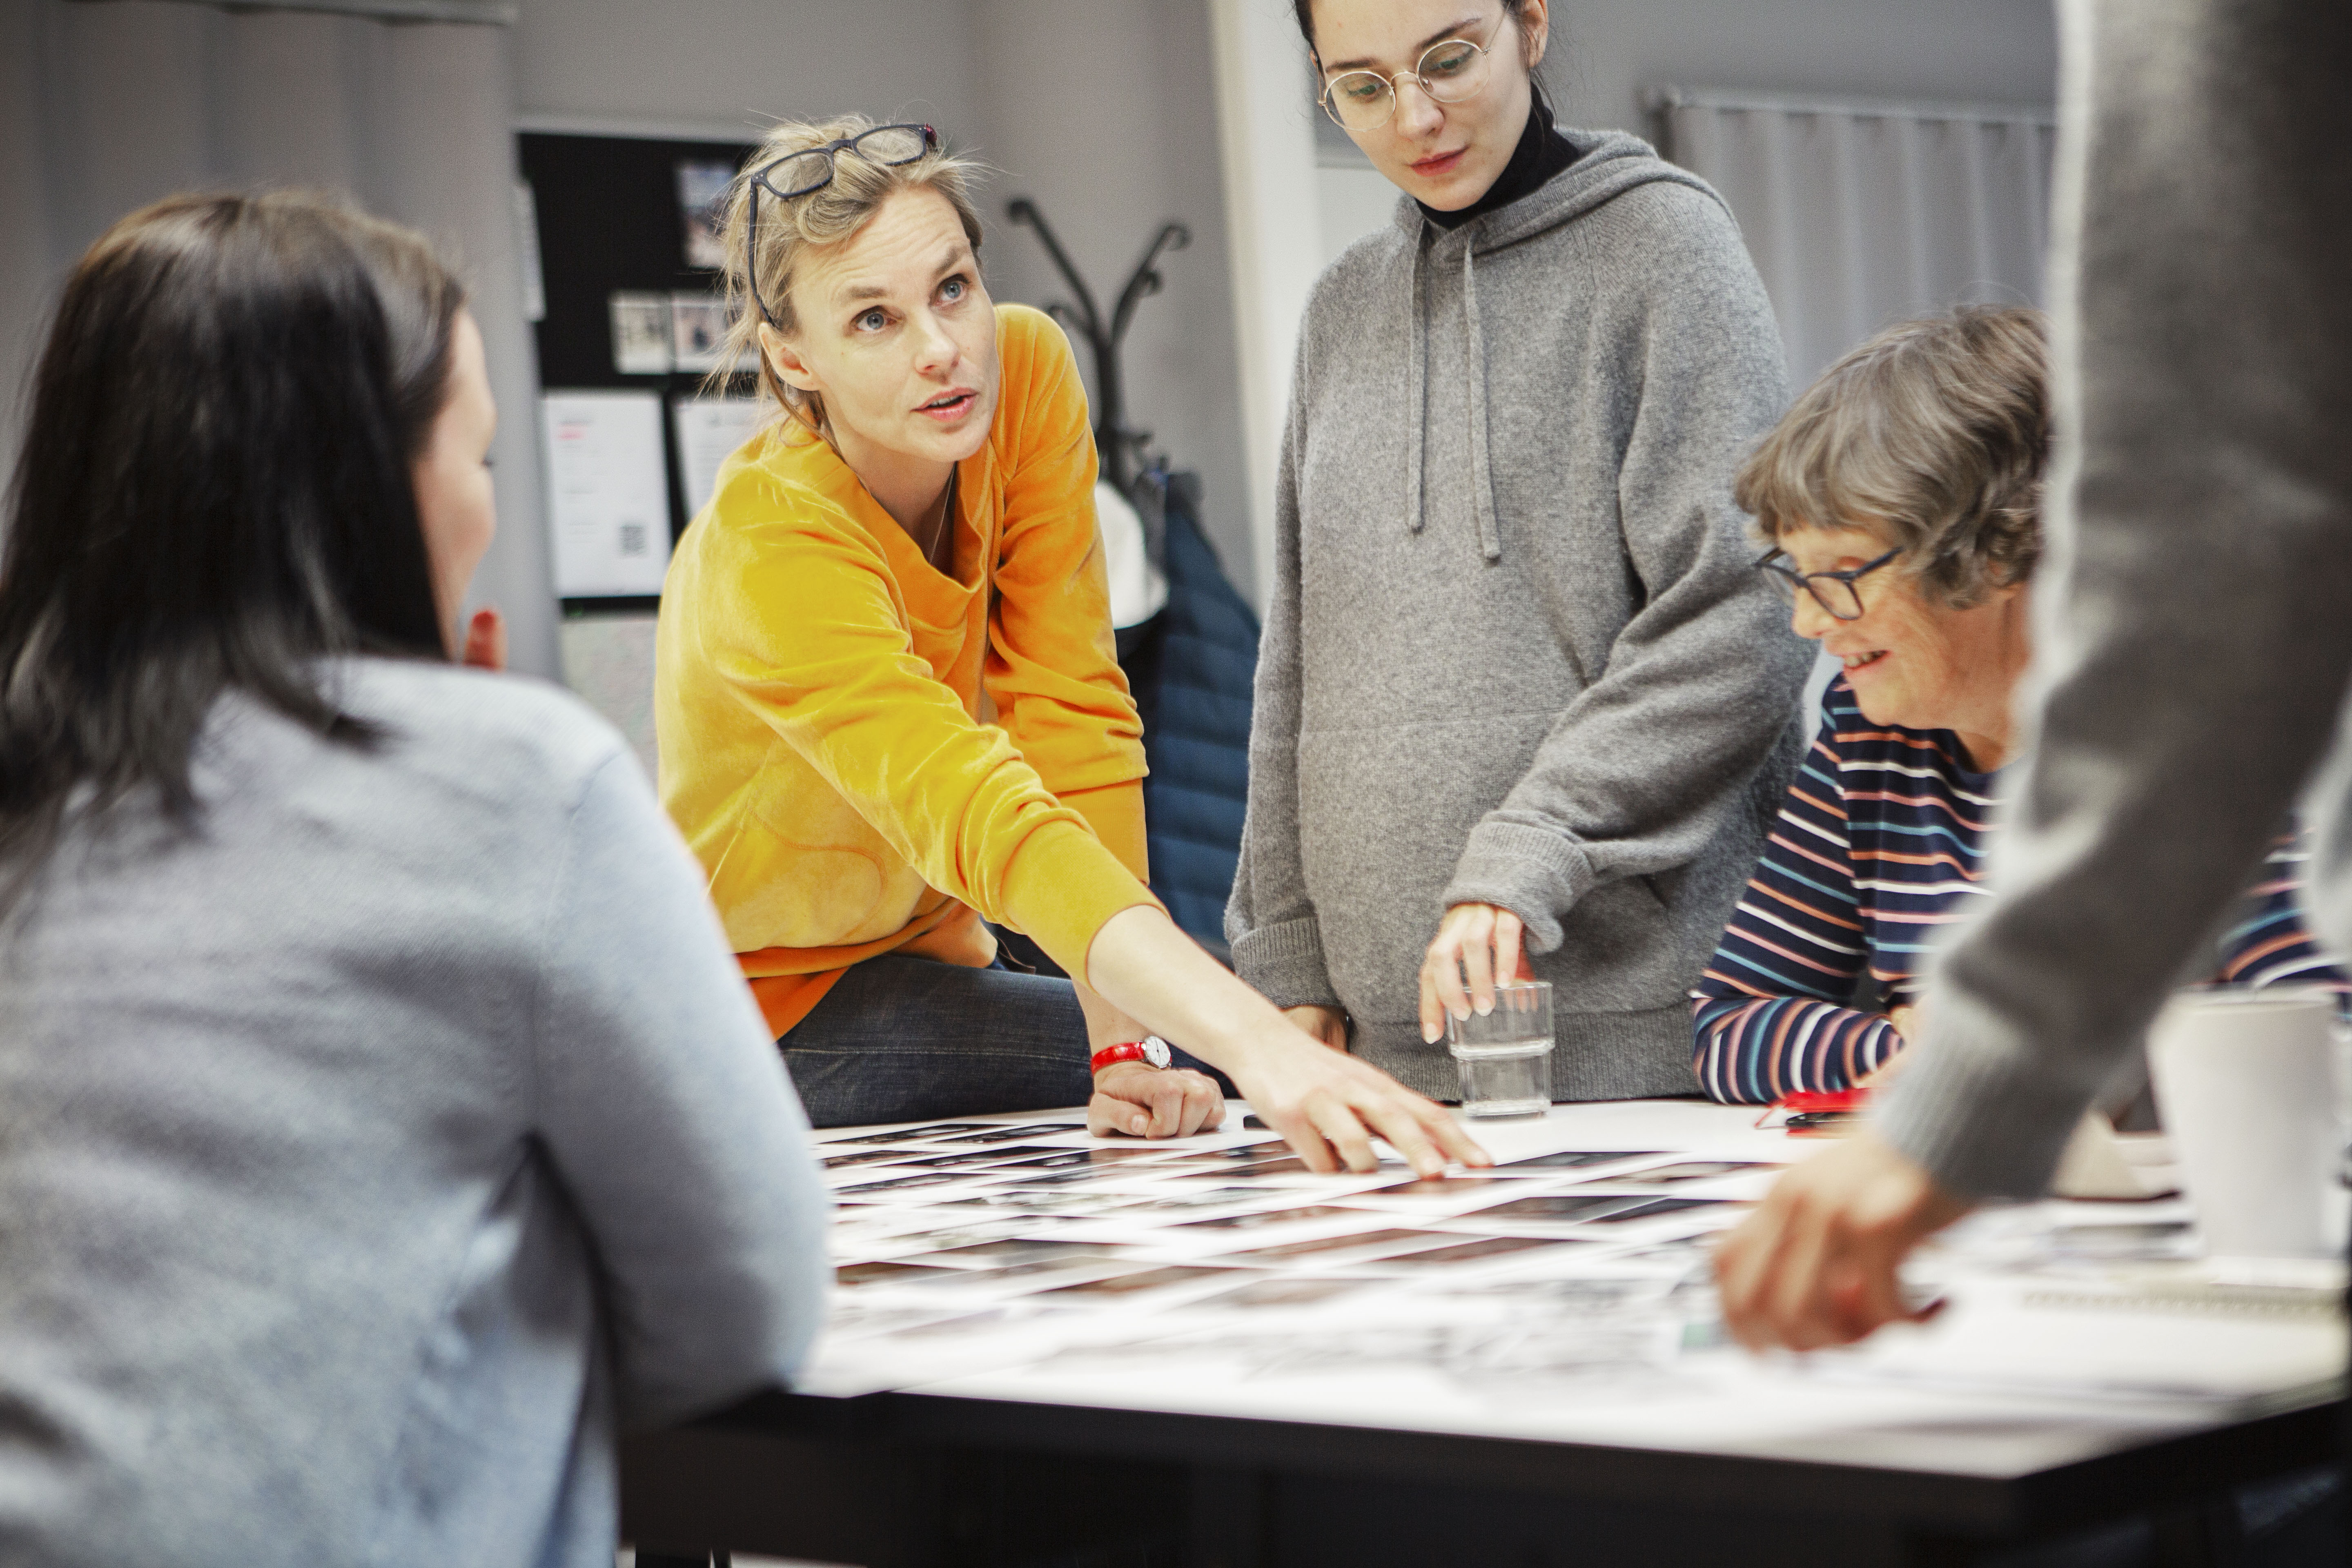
(888, 708)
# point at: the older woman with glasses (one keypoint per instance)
(1520, 696)
(1901, 497)
(889, 709)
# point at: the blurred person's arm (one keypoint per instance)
(664, 1106)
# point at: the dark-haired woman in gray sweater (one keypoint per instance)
(384, 1121)
(1520, 699)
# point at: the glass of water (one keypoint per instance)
(1505, 1056)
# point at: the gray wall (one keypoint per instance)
(740, 63)
(105, 108)
(1605, 51)
(1103, 112)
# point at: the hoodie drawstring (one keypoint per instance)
(1481, 470)
(1415, 391)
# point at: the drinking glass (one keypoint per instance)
(1505, 1056)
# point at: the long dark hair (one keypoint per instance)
(214, 492)
(1304, 11)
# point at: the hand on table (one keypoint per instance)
(1327, 1025)
(1481, 940)
(1815, 1264)
(1154, 1102)
(1328, 1105)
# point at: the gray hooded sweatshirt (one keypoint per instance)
(1515, 652)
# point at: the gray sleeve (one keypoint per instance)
(2194, 628)
(663, 1105)
(1646, 765)
(1270, 921)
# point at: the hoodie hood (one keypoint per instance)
(1608, 164)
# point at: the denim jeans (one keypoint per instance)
(909, 1039)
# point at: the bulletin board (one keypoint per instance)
(609, 218)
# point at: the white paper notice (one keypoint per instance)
(709, 429)
(608, 492)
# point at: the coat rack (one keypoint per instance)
(1119, 443)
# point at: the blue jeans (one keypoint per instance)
(909, 1039)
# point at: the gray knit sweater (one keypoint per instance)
(1515, 653)
(370, 1153)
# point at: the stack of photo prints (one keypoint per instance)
(966, 1246)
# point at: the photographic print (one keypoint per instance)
(1563, 1208)
(901, 1184)
(1473, 1251)
(703, 210)
(1134, 1284)
(1283, 1291)
(1690, 1171)
(862, 1157)
(697, 331)
(1351, 1242)
(1271, 1217)
(983, 1133)
(937, 1131)
(1576, 1159)
(640, 332)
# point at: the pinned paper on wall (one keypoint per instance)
(608, 492)
(709, 429)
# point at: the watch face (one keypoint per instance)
(1155, 1053)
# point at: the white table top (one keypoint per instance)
(2073, 1329)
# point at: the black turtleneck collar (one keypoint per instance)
(1542, 152)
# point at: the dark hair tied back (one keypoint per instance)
(214, 492)
(1304, 11)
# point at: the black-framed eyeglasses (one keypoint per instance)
(1833, 590)
(811, 169)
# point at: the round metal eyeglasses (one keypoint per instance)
(1835, 592)
(1452, 70)
(811, 169)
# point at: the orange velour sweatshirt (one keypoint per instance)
(819, 698)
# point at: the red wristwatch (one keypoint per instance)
(1151, 1051)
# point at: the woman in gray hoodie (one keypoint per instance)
(1519, 692)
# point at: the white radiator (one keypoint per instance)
(1863, 212)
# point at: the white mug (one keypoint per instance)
(2246, 1082)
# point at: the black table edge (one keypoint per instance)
(2129, 1479)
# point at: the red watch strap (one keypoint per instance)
(1132, 1051)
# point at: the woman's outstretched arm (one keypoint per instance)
(1328, 1105)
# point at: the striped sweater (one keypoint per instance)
(1883, 839)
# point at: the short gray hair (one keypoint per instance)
(1932, 436)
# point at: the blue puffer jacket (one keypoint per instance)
(1193, 670)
